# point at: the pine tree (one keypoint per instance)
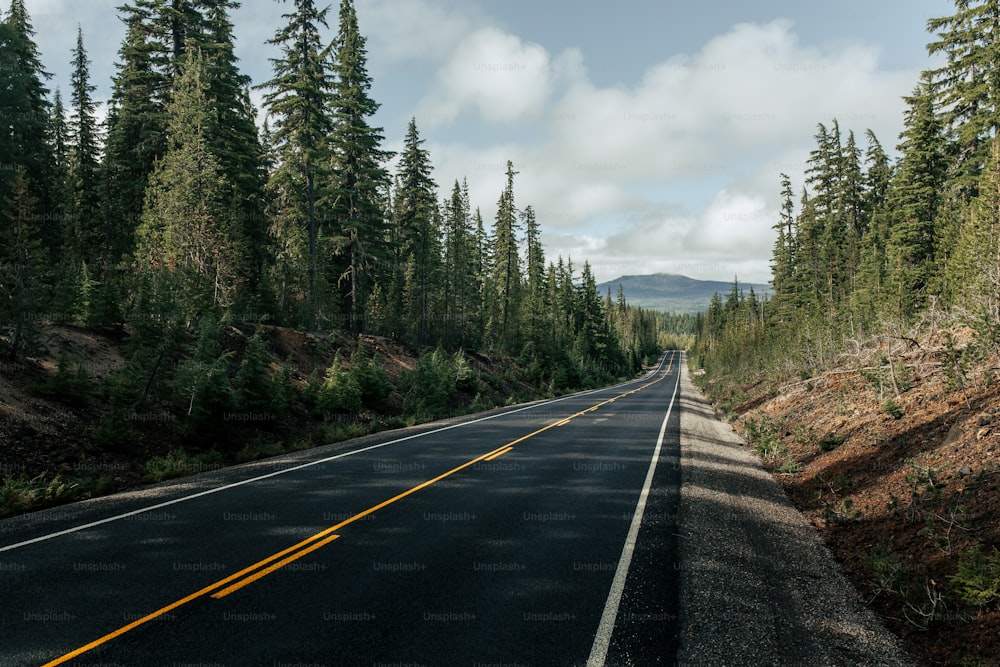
(8, 108)
(358, 179)
(535, 294)
(298, 104)
(784, 254)
(591, 338)
(506, 268)
(854, 215)
(462, 280)
(914, 199)
(85, 161)
(867, 297)
(24, 117)
(417, 235)
(22, 263)
(190, 237)
(136, 130)
(59, 176)
(816, 214)
(178, 24)
(973, 273)
(235, 142)
(66, 268)
(878, 175)
(967, 86)
(482, 278)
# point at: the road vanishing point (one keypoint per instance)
(622, 526)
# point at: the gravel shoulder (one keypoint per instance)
(757, 586)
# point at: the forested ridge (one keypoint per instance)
(871, 245)
(176, 212)
(196, 239)
(866, 379)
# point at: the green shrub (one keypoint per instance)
(922, 479)
(830, 442)
(430, 386)
(22, 494)
(369, 374)
(283, 390)
(904, 378)
(892, 408)
(254, 389)
(804, 435)
(203, 395)
(68, 385)
(114, 427)
(978, 578)
(178, 463)
(202, 392)
(340, 391)
(466, 379)
(311, 392)
(763, 435)
(258, 449)
(842, 512)
(887, 570)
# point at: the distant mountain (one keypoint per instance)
(673, 293)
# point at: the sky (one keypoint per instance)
(648, 135)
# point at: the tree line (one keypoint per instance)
(872, 244)
(177, 209)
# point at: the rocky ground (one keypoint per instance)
(894, 457)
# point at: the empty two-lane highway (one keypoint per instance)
(541, 535)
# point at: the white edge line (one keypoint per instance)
(175, 501)
(602, 640)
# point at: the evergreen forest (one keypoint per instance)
(873, 248)
(186, 210)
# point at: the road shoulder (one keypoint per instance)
(757, 586)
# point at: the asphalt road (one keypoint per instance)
(538, 535)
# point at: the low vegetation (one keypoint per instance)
(875, 356)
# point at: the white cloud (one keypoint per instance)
(725, 120)
(734, 225)
(754, 88)
(502, 77)
(406, 30)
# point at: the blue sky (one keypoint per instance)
(649, 134)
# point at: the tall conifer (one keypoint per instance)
(417, 235)
(359, 179)
(190, 237)
(297, 100)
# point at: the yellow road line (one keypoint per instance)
(268, 570)
(305, 546)
(499, 454)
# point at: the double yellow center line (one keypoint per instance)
(262, 568)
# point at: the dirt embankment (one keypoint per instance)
(895, 458)
(48, 454)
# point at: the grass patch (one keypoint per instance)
(178, 463)
(23, 494)
(258, 449)
(790, 467)
(763, 435)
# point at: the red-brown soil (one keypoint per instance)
(906, 492)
